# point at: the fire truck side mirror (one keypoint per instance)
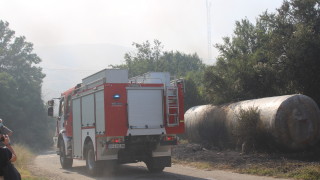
(50, 111)
(50, 103)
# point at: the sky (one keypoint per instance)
(62, 30)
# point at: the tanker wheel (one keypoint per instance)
(64, 161)
(93, 167)
(153, 168)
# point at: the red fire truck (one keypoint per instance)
(109, 118)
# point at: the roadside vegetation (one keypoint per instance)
(278, 54)
(246, 129)
(21, 105)
(287, 169)
(25, 159)
(304, 165)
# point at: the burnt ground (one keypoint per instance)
(277, 164)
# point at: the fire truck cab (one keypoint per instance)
(111, 119)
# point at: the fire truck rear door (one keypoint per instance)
(145, 110)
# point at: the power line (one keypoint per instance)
(70, 69)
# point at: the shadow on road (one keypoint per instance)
(133, 171)
(124, 172)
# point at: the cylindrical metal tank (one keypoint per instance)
(292, 121)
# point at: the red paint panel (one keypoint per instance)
(116, 109)
(68, 110)
(68, 126)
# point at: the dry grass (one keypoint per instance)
(183, 141)
(283, 165)
(25, 158)
(299, 171)
(287, 170)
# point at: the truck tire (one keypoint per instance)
(93, 167)
(65, 162)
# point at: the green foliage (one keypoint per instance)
(21, 105)
(151, 58)
(193, 93)
(278, 55)
(145, 59)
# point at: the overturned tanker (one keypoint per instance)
(291, 122)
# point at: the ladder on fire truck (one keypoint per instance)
(172, 106)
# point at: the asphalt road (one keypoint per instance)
(48, 165)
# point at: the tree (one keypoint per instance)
(301, 45)
(21, 105)
(143, 60)
(151, 58)
(278, 55)
(241, 71)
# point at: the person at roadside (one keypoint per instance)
(7, 156)
(4, 130)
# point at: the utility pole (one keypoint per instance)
(208, 4)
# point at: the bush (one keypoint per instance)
(246, 128)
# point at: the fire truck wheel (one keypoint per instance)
(93, 167)
(153, 168)
(64, 161)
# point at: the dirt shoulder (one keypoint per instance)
(303, 165)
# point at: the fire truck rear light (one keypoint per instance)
(116, 140)
(169, 138)
(115, 143)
